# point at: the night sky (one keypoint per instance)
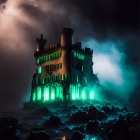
(110, 27)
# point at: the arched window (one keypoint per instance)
(39, 70)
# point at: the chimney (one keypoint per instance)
(40, 43)
(66, 36)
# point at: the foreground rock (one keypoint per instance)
(9, 128)
(42, 135)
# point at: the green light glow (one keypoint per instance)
(37, 61)
(78, 55)
(42, 80)
(76, 91)
(52, 56)
(82, 67)
(73, 91)
(91, 95)
(59, 55)
(46, 93)
(39, 70)
(83, 95)
(65, 76)
(34, 96)
(38, 93)
(57, 92)
(46, 58)
(52, 93)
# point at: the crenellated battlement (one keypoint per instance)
(77, 46)
(66, 31)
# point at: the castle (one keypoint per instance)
(63, 71)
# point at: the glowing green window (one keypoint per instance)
(65, 76)
(91, 95)
(39, 70)
(82, 68)
(74, 53)
(59, 54)
(83, 95)
(83, 57)
(46, 58)
(78, 56)
(38, 93)
(46, 93)
(52, 56)
(49, 57)
(37, 61)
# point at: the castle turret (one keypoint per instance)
(40, 43)
(66, 36)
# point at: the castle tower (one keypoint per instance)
(62, 71)
(40, 43)
(66, 36)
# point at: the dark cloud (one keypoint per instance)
(2, 1)
(113, 20)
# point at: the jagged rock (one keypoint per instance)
(9, 128)
(77, 136)
(135, 132)
(79, 117)
(84, 109)
(42, 135)
(74, 108)
(37, 129)
(92, 127)
(95, 114)
(107, 110)
(67, 131)
(124, 109)
(80, 129)
(23, 129)
(124, 127)
(53, 122)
